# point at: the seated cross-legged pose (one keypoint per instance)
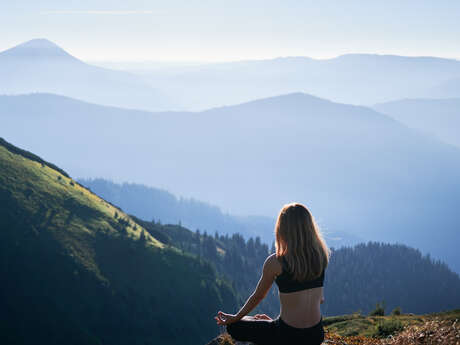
(298, 268)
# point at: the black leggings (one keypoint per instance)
(275, 332)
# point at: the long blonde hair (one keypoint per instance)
(299, 241)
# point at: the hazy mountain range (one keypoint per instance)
(437, 117)
(41, 66)
(152, 203)
(359, 171)
(354, 78)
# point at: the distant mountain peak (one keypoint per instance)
(288, 98)
(39, 43)
(37, 48)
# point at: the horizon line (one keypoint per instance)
(243, 59)
(256, 59)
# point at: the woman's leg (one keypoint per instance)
(260, 332)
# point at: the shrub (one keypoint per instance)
(379, 310)
(388, 327)
(396, 311)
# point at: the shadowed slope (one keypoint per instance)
(80, 271)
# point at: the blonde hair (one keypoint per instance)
(299, 241)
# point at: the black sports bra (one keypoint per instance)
(286, 283)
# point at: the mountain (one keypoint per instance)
(147, 203)
(78, 270)
(359, 171)
(41, 66)
(353, 78)
(438, 117)
(446, 89)
(39, 49)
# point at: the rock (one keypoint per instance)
(225, 339)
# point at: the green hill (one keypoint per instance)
(77, 270)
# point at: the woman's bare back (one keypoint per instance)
(300, 309)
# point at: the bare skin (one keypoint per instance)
(299, 309)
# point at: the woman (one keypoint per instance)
(298, 269)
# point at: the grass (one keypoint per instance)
(63, 207)
(41, 179)
(372, 326)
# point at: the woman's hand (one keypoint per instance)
(262, 317)
(223, 319)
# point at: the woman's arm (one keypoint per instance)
(269, 273)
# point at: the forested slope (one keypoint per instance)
(77, 270)
(357, 277)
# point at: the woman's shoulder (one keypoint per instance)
(272, 258)
(274, 264)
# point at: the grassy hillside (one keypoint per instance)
(78, 270)
(405, 329)
(361, 325)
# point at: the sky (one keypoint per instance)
(218, 30)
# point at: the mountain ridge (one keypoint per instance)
(222, 83)
(438, 117)
(362, 79)
(306, 58)
(42, 66)
(38, 47)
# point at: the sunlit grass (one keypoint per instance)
(63, 207)
(355, 324)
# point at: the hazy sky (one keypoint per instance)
(218, 30)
